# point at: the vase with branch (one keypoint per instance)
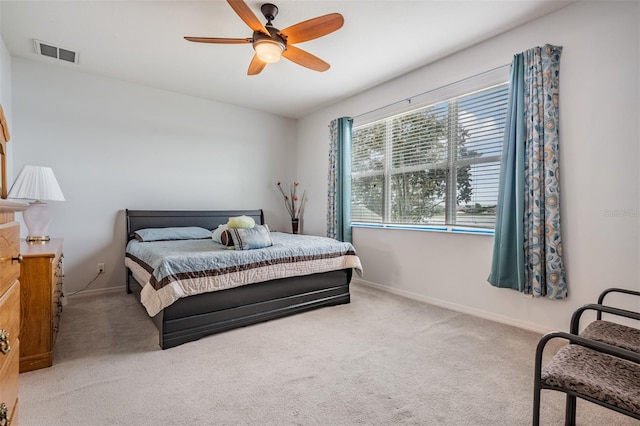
(293, 203)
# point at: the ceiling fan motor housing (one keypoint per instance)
(259, 37)
(270, 11)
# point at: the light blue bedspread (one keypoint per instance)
(185, 267)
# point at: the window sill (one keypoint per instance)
(429, 228)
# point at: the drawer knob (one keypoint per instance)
(18, 259)
(4, 415)
(4, 344)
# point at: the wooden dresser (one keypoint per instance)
(9, 310)
(41, 292)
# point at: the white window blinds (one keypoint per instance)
(438, 164)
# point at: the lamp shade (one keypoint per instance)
(36, 183)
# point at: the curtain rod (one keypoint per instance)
(432, 90)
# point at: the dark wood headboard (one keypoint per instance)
(209, 219)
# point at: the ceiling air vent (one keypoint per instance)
(55, 52)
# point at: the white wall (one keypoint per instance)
(114, 145)
(600, 158)
(6, 99)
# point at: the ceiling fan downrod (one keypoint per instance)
(270, 11)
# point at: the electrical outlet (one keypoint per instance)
(101, 268)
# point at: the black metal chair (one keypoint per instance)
(600, 365)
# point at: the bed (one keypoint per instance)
(194, 316)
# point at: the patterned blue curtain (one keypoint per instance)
(339, 195)
(528, 228)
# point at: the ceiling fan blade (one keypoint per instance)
(306, 59)
(313, 28)
(219, 40)
(256, 66)
(249, 18)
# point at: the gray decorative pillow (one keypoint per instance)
(251, 238)
(172, 233)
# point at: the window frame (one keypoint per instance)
(465, 87)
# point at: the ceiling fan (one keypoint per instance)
(271, 43)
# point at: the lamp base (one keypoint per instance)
(37, 239)
(37, 217)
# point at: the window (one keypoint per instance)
(438, 165)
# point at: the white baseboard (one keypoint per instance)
(456, 307)
(404, 293)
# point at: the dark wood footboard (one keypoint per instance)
(193, 317)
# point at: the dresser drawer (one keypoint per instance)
(9, 365)
(10, 319)
(9, 250)
(9, 380)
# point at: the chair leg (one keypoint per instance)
(536, 401)
(537, 379)
(570, 411)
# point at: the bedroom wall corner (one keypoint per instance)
(6, 97)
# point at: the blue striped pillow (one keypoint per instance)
(251, 238)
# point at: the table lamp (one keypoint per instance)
(36, 184)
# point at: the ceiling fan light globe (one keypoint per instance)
(268, 51)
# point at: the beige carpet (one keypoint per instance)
(381, 359)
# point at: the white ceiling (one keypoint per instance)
(141, 42)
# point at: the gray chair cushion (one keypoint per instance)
(600, 376)
(614, 334)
